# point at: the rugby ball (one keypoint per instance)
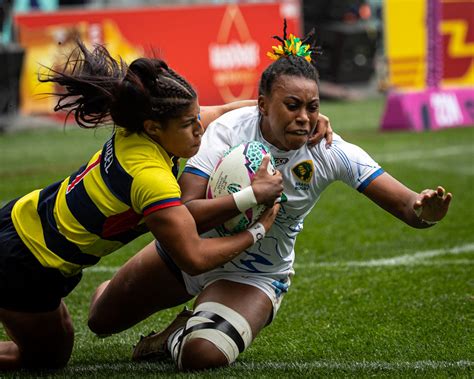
(234, 172)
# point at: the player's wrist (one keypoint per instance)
(245, 199)
(418, 212)
(257, 231)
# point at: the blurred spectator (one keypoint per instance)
(5, 21)
(28, 5)
(11, 60)
(70, 3)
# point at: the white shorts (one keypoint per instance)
(274, 289)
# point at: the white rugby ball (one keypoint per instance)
(234, 172)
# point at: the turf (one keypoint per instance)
(371, 296)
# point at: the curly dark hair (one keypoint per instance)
(96, 88)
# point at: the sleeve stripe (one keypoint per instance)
(161, 205)
(345, 160)
(196, 171)
(369, 180)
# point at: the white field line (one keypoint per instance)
(417, 258)
(101, 269)
(432, 165)
(425, 154)
(269, 366)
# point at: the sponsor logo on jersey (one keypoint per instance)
(280, 161)
(109, 155)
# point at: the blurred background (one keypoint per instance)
(416, 54)
(376, 297)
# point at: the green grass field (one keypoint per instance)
(371, 297)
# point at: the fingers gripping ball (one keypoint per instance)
(234, 173)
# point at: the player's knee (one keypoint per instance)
(200, 354)
(51, 360)
(99, 323)
(96, 324)
(100, 327)
(53, 353)
(214, 336)
(68, 329)
(56, 353)
(57, 360)
(96, 321)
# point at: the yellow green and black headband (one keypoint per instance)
(292, 45)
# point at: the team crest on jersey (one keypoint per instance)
(304, 171)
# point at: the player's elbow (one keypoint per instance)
(201, 255)
(194, 262)
(195, 266)
(193, 270)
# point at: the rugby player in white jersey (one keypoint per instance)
(237, 300)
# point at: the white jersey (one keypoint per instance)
(306, 173)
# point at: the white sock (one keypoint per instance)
(173, 343)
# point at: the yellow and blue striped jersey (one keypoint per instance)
(71, 224)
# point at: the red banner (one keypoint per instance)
(221, 50)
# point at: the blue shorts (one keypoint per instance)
(25, 285)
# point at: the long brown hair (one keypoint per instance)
(96, 88)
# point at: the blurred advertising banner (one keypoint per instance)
(220, 49)
(406, 40)
(430, 50)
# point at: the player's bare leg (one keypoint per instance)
(225, 312)
(248, 301)
(143, 286)
(38, 340)
(9, 356)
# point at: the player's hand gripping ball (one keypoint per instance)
(233, 173)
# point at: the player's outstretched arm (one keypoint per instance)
(419, 210)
